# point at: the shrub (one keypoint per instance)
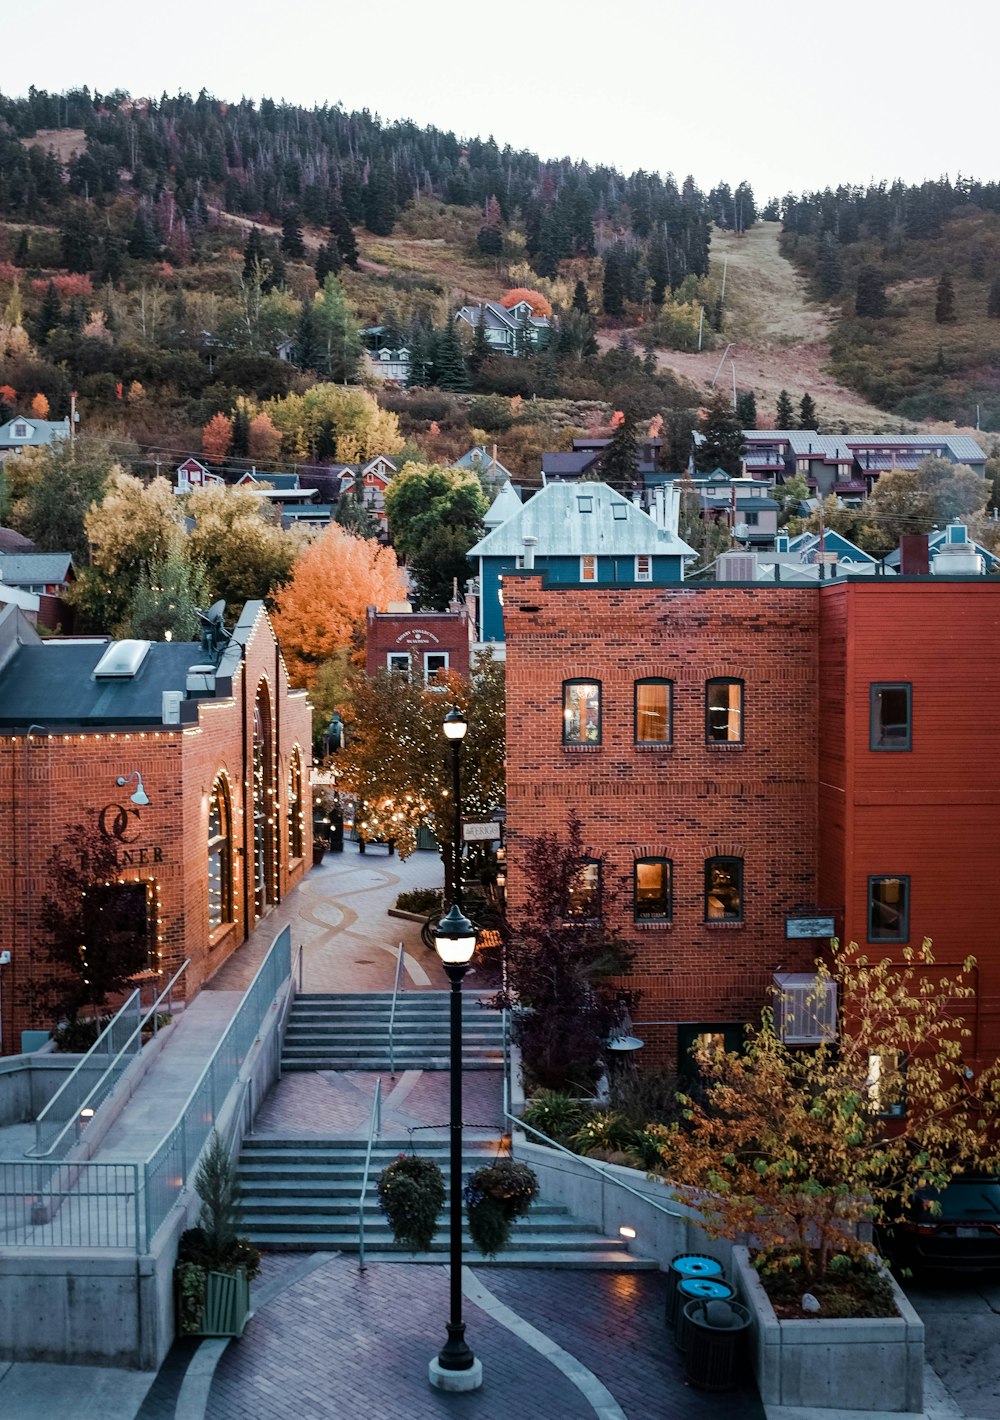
(420, 900)
(76, 1037)
(555, 1113)
(607, 1132)
(491, 412)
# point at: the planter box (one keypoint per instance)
(227, 1305)
(860, 1363)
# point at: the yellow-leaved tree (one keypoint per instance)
(322, 608)
(795, 1147)
(334, 421)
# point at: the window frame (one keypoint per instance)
(726, 680)
(430, 679)
(653, 680)
(904, 879)
(398, 670)
(583, 680)
(222, 842)
(598, 897)
(296, 836)
(896, 1107)
(875, 689)
(667, 916)
(585, 558)
(647, 558)
(724, 858)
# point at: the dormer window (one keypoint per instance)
(21, 430)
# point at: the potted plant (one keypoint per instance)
(411, 1195)
(495, 1195)
(214, 1266)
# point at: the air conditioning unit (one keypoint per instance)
(805, 1008)
(172, 706)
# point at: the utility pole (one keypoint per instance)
(701, 327)
(733, 363)
(720, 365)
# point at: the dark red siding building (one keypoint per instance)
(745, 755)
(418, 644)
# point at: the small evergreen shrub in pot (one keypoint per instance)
(214, 1266)
(495, 1195)
(411, 1195)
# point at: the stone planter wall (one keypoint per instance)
(873, 1363)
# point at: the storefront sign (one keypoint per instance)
(121, 823)
(416, 638)
(810, 926)
(481, 832)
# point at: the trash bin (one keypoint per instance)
(716, 1342)
(686, 1264)
(690, 1289)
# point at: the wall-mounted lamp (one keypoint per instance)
(140, 796)
(626, 1232)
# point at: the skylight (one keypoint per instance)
(121, 660)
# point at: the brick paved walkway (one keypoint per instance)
(338, 1103)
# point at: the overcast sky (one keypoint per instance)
(788, 95)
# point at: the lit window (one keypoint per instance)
(653, 889)
(653, 707)
(724, 889)
(588, 568)
(888, 909)
(724, 711)
(220, 857)
(891, 721)
(644, 568)
(887, 1083)
(295, 806)
(583, 895)
(581, 712)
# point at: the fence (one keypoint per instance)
(85, 1205)
(166, 1171)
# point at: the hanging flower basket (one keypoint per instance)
(411, 1195)
(495, 1195)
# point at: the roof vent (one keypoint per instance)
(121, 661)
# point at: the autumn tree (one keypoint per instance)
(360, 428)
(134, 527)
(396, 761)
(334, 581)
(52, 488)
(540, 305)
(244, 550)
(40, 407)
(263, 439)
(217, 438)
(796, 1147)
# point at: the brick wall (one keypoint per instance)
(415, 633)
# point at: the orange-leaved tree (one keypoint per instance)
(540, 305)
(793, 1148)
(217, 437)
(323, 605)
(40, 407)
(263, 440)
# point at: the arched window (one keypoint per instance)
(220, 855)
(264, 839)
(295, 805)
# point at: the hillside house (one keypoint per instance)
(44, 576)
(848, 465)
(23, 432)
(375, 475)
(503, 326)
(192, 474)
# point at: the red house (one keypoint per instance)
(761, 767)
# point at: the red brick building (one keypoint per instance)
(418, 644)
(191, 760)
(745, 755)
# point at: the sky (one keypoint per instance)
(790, 96)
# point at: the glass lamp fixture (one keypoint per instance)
(455, 938)
(455, 724)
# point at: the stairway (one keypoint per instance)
(302, 1195)
(350, 1031)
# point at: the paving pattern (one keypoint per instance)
(338, 1103)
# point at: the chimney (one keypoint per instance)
(913, 556)
(530, 543)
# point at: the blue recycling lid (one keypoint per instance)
(706, 1287)
(694, 1264)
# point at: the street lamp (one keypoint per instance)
(456, 1368)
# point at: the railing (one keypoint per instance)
(374, 1130)
(299, 970)
(85, 1205)
(392, 1013)
(166, 1170)
(515, 1122)
(77, 1100)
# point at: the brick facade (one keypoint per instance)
(809, 830)
(419, 635)
(58, 777)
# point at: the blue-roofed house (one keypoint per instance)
(503, 325)
(807, 545)
(484, 463)
(24, 433)
(579, 534)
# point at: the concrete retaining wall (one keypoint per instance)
(28, 1082)
(871, 1363)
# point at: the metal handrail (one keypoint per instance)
(300, 968)
(392, 1013)
(108, 1073)
(552, 1144)
(374, 1129)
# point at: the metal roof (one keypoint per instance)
(577, 519)
(53, 684)
(505, 505)
(27, 569)
(568, 464)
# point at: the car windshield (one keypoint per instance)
(967, 1198)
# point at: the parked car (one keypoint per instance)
(960, 1234)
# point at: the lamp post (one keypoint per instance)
(455, 1368)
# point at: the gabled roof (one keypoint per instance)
(505, 505)
(806, 544)
(276, 480)
(569, 465)
(40, 431)
(480, 459)
(574, 520)
(28, 569)
(497, 316)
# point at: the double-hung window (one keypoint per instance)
(588, 568)
(583, 896)
(398, 663)
(653, 712)
(643, 567)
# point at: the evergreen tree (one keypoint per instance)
(380, 200)
(613, 294)
(620, 460)
(993, 300)
(143, 243)
(723, 443)
(328, 261)
(784, 414)
(581, 300)
(292, 243)
(326, 441)
(111, 265)
(78, 241)
(676, 451)
(343, 234)
(240, 447)
(746, 410)
(49, 314)
(870, 300)
(449, 371)
(421, 357)
(828, 273)
(658, 265)
(166, 599)
(22, 252)
(352, 513)
(308, 350)
(944, 308)
(808, 417)
(481, 349)
(524, 337)
(337, 333)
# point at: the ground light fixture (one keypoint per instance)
(455, 1368)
